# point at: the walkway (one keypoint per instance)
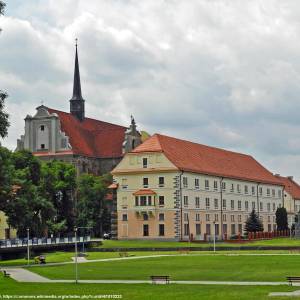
(23, 275)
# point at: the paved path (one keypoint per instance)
(23, 275)
(285, 294)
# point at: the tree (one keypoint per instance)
(58, 185)
(92, 209)
(253, 223)
(281, 219)
(4, 123)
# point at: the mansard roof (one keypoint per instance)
(290, 186)
(192, 157)
(90, 137)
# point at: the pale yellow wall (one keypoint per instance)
(4, 225)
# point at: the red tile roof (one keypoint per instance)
(290, 186)
(144, 192)
(92, 138)
(197, 158)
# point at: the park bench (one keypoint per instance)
(184, 251)
(125, 254)
(5, 273)
(160, 278)
(292, 279)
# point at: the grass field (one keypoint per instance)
(184, 267)
(165, 244)
(142, 291)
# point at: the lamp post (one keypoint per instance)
(28, 253)
(214, 236)
(76, 254)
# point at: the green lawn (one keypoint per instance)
(166, 244)
(143, 291)
(185, 267)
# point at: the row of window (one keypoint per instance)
(231, 187)
(161, 217)
(233, 204)
(149, 201)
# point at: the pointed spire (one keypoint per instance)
(77, 102)
(76, 83)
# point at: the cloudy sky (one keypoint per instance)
(222, 73)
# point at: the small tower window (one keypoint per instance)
(42, 146)
(42, 127)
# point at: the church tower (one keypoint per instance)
(77, 102)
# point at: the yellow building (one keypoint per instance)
(5, 231)
(173, 189)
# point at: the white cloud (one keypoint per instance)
(220, 72)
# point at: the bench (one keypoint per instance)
(125, 254)
(5, 273)
(160, 278)
(292, 279)
(184, 251)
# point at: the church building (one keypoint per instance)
(93, 146)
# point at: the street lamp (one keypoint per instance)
(28, 253)
(76, 254)
(214, 236)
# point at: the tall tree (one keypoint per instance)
(58, 184)
(4, 123)
(281, 218)
(253, 223)
(92, 209)
(6, 175)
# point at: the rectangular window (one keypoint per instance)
(206, 184)
(124, 183)
(253, 190)
(225, 228)
(269, 227)
(207, 203)
(145, 230)
(197, 217)
(224, 204)
(247, 205)
(149, 200)
(185, 182)
(273, 193)
(261, 206)
(224, 218)
(145, 182)
(42, 146)
(216, 203)
(186, 229)
(269, 206)
(232, 218)
(186, 217)
(161, 181)
(239, 218)
(161, 217)
(143, 200)
(208, 229)
(223, 186)
(217, 229)
(198, 229)
(232, 188)
(269, 218)
(145, 217)
(232, 204)
(215, 185)
(185, 200)
(246, 189)
(240, 228)
(268, 192)
(124, 217)
(42, 127)
(161, 200)
(136, 201)
(232, 228)
(274, 206)
(216, 217)
(238, 187)
(260, 191)
(161, 229)
(239, 205)
(279, 193)
(145, 162)
(207, 217)
(197, 202)
(253, 205)
(197, 183)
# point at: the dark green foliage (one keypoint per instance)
(281, 219)
(92, 208)
(253, 223)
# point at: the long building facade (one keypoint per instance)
(176, 190)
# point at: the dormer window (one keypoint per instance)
(145, 162)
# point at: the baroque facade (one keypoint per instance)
(174, 189)
(91, 145)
